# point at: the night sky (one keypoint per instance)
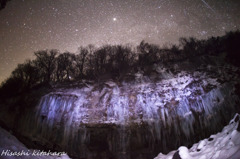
(30, 25)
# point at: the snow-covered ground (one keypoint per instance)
(12, 148)
(223, 145)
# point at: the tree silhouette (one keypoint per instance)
(232, 46)
(81, 59)
(113, 61)
(27, 72)
(45, 62)
(65, 68)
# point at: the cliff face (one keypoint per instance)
(138, 117)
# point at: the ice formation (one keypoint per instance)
(135, 118)
(151, 114)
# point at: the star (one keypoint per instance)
(114, 19)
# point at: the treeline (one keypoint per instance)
(51, 66)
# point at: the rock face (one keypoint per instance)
(136, 118)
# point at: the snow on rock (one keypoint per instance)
(223, 145)
(157, 111)
(147, 112)
(10, 145)
(122, 103)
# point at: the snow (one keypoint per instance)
(169, 106)
(10, 144)
(148, 96)
(223, 145)
(110, 83)
(155, 103)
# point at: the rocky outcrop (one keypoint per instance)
(139, 118)
(119, 121)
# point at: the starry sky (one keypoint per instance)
(30, 25)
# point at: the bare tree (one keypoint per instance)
(45, 62)
(81, 59)
(65, 68)
(27, 72)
